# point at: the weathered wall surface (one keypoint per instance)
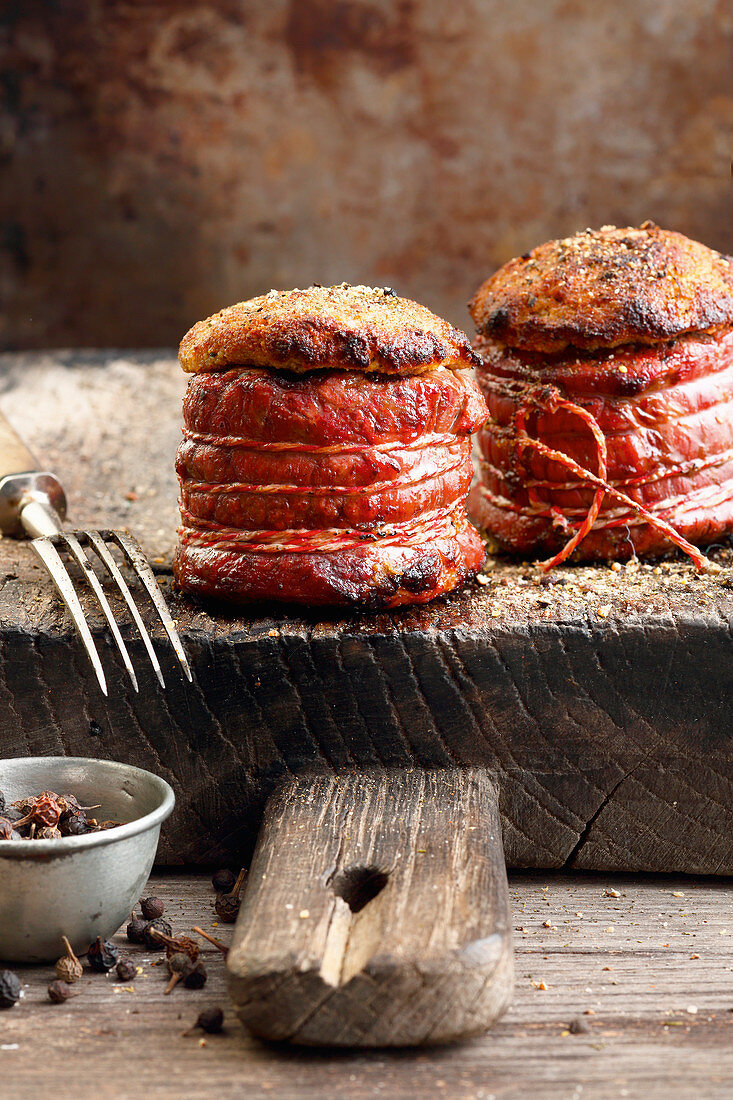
(162, 158)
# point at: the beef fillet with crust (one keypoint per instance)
(607, 365)
(326, 455)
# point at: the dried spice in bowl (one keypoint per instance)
(48, 816)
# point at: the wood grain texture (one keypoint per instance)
(600, 701)
(639, 960)
(376, 912)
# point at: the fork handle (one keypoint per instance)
(23, 484)
(15, 458)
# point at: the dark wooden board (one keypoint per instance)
(601, 701)
(650, 959)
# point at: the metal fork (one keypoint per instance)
(33, 502)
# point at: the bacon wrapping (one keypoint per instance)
(609, 453)
(332, 487)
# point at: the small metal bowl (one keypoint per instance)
(80, 886)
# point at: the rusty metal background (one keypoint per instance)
(162, 158)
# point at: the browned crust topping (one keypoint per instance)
(343, 327)
(606, 287)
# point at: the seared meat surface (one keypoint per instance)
(328, 486)
(649, 419)
(341, 327)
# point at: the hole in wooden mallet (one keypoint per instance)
(359, 885)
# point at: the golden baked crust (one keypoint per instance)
(343, 327)
(606, 287)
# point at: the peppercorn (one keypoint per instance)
(211, 1020)
(180, 966)
(136, 929)
(223, 881)
(126, 970)
(59, 991)
(160, 925)
(2, 803)
(10, 989)
(102, 955)
(48, 832)
(76, 825)
(68, 968)
(152, 908)
(227, 905)
(196, 977)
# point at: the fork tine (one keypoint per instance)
(50, 557)
(141, 566)
(100, 546)
(76, 549)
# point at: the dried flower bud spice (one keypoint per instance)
(152, 908)
(59, 991)
(102, 955)
(184, 945)
(211, 1020)
(10, 988)
(149, 938)
(68, 968)
(227, 905)
(196, 977)
(179, 963)
(49, 816)
(126, 970)
(25, 805)
(212, 939)
(177, 944)
(223, 881)
(180, 966)
(68, 805)
(45, 809)
(136, 929)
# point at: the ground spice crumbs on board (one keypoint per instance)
(598, 592)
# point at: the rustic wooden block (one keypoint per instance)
(600, 702)
(376, 912)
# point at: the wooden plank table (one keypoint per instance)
(651, 732)
(651, 957)
(599, 698)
